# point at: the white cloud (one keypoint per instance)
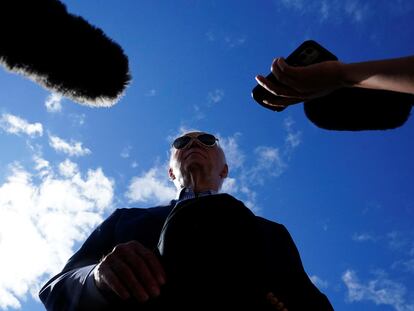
(152, 187)
(250, 198)
(268, 162)
(409, 265)
(406, 265)
(77, 119)
(68, 168)
(211, 36)
(396, 240)
(215, 96)
(53, 103)
(234, 41)
(230, 41)
(355, 10)
(380, 290)
(151, 93)
(324, 10)
(41, 165)
(41, 221)
(268, 159)
(234, 156)
(293, 137)
(237, 184)
(198, 114)
(16, 125)
(321, 284)
(362, 237)
(297, 4)
(230, 186)
(72, 148)
(125, 152)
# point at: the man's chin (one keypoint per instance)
(194, 155)
(194, 166)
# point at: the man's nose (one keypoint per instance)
(196, 141)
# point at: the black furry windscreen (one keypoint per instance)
(356, 109)
(62, 52)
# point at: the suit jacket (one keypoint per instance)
(284, 274)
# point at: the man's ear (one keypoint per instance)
(171, 174)
(225, 172)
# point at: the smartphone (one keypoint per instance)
(309, 52)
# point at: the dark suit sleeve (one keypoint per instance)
(291, 283)
(66, 290)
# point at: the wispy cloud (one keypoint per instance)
(362, 237)
(72, 148)
(53, 103)
(77, 119)
(268, 162)
(152, 187)
(228, 40)
(210, 36)
(234, 41)
(405, 265)
(41, 219)
(42, 166)
(234, 155)
(293, 137)
(393, 240)
(380, 290)
(215, 96)
(397, 240)
(16, 125)
(320, 283)
(125, 153)
(355, 10)
(198, 114)
(151, 93)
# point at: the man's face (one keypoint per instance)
(196, 156)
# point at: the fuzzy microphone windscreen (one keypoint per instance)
(356, 109)
(62, 52)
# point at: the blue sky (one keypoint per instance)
(345, 197)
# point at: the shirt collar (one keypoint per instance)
(188, 193)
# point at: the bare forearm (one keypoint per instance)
(392, 74)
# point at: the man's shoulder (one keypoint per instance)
(137, 211)
(269, 224)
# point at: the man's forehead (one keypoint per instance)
(194, 134)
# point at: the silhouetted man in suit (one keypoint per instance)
(204, 250)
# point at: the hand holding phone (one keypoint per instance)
(308, 53)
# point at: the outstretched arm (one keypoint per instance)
(304, 83)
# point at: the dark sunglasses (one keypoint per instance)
(207, 140)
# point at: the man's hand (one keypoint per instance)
(275, 303)
(130, 269)
(302, 83)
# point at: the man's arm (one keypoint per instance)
(65, 290)
(107, 270)
(304, 83)
(309, 296)
(291, 284)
